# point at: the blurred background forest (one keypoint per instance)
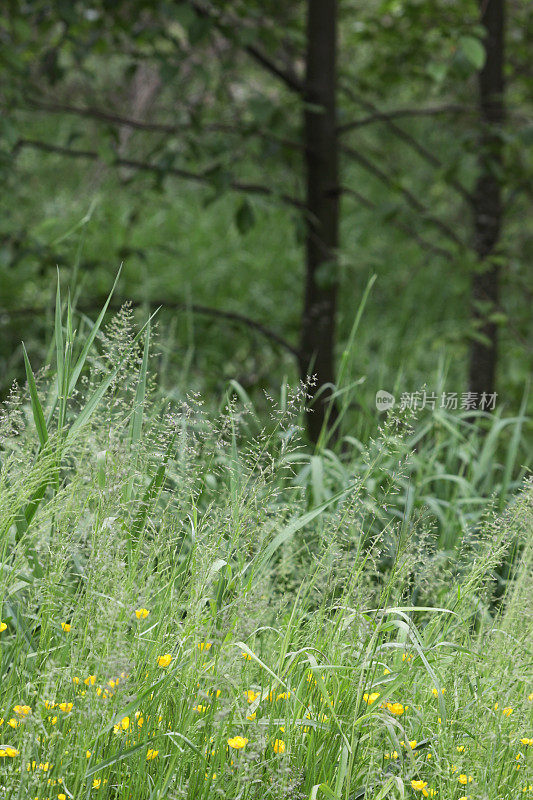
(253, 166)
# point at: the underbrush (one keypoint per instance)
(191, 611)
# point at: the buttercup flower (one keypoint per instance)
(22, 711)
(164, 661)
(3, 627)
(279, 746)
(123, 725)
(464, 779)
(419, 785)
(238, 742)
(246, 656)
(65, 626)
(204, 646)
(395, 708)
(8, 751)
(251, 695)
(141, 613)
(65, 707)
(151, 754)
(370, 698)
(90, 680)
(507, 711)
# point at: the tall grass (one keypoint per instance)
(196, 610)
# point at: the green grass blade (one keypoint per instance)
(37, 409)
(90, 339)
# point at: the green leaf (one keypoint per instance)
(473, 51)
(245, 216)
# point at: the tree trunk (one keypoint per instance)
(487, 199)
(322, 210)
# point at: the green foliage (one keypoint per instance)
(354, 657)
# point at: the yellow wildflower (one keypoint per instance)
(464, 779)
(97, 783)
(283, 696)
(3, 627)
(151, 754)
(407, 657)
(370, 698)
(435, 692)
(461, 748)
(204, 646)
(200, 709)
(22, 711)
(12, 722)
(238, 742)
(526, 741)
(507, 711)
(90, 680)
(141, 613)
(164, 661)
(66, 707)
(88, 754)
(419, 785)
(395, 708)
(8, 751)
(279, 746)
(251, 717)
(75, 680)
(246, 656)
(251, 695)
(123, 725)
(386, 671)
(65, 626)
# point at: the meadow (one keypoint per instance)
(194, 606)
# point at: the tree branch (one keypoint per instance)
(99, 114)
(287, 76)
(399, 113)
(144, 166)
(406, 193)
(412, 142)
(424, 244)
(231, 316)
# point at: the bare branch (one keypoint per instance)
(413, 201)
(399, 113)
(413, 143)
(144, 166)
(228, 23)
(231, 316)
(424, 244)
(100, 115)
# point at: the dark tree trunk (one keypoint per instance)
(487, 199)
(322, 209)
